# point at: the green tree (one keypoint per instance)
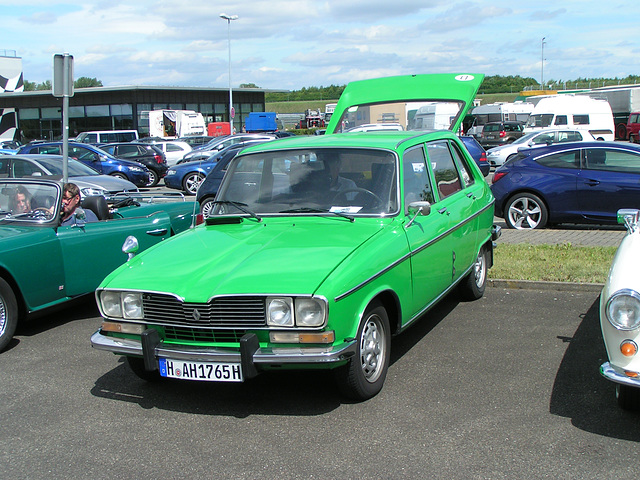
(86, 82)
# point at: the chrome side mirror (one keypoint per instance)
(629, 217)
(418, 208)
(130, 247)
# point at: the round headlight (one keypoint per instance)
(132, 305)
(111, 306)
(623, 310)
(309, 312)
(279, 312)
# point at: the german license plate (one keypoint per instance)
(202, 371)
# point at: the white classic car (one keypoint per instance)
(620, 315)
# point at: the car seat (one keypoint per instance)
(98, 205)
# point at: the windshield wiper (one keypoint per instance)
(318, 210)
(240, 206)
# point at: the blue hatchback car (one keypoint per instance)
(578, 182)
(97, 159)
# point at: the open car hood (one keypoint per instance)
(417, 102)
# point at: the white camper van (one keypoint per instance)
(176, 123)
(573, 111)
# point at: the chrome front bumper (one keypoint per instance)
(259, 356)
(617, 375)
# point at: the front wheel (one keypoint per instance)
(137, 366)
(472, 287)
(192, 182)
(153, 179)
(526, 211)
(8, 314)
(362, 378)
(628, 397)
(119, 175)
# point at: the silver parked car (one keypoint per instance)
(90, 181)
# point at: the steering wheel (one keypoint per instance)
(42, 212)
(343, 196)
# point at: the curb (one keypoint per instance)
(540, 285)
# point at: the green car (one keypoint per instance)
(318, 249)
(43, 264)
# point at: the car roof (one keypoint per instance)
(389, 140)
(562, 146)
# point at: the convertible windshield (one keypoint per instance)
(28, 201)
(311, 181)
(424, 115)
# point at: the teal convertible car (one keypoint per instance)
(43, 264)
(318, 249)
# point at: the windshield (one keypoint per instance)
(326, 180)
(439, 115)
(76, 168)
(28, 201)
(540, 120)
(525, 138)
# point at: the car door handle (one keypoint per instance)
(442, 211)
(157, 232)
(592, 183)
(471, 195)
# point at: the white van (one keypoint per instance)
(107, 136)
(573, 111)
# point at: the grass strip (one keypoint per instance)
(553, 263)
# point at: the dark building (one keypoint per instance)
(39, 113)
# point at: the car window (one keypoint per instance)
(444, 169)
(417, 185)
(173, 148)
(50, 149)
(612, 160)
(569, 137)
(581, 119)
(110, 149)
(461, 162)
(82, 154)
(570, 159)
(23, 168)
(543, 138)
(4, 167)
(128, 151)
(634, 118)
(561, 120)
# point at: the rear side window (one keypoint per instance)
(444, 169)
(561, 120)
(569, 137)
(570, 159)
(612, 160)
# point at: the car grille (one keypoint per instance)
(222, 312)
(188, 334)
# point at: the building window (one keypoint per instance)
(97, 110)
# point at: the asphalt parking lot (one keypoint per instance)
(504, 387)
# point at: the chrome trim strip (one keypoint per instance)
(410, 254)
(264, 356)
(616, 375)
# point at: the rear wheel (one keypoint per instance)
(364, 375)
(8, 314)
(525, 211)
(472, 287)
(191, 182)
(137, 366)
(206, 207)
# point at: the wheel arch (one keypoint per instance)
(532, 191)
(391, 303)
(7, 277)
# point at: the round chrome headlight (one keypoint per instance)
(623, 310)
(280, 312)
(310, 312)
(110, 302)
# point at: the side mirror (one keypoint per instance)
(130, 246)
(629, 217)
(418, 208)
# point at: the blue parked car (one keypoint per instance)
(477, 152)
(98, 159)
(188, 176)
(577, 182)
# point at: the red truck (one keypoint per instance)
(633, 127)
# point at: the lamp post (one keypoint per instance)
(228, 18)
(542, 63)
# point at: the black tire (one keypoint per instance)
(8, 314)
(206, 206)
(628, 397)
(525, 211)
(191, 182)
(362, 378)
(154, 178)
(119, 175)
(137, 366)
(473, 286)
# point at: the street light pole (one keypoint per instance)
(228, 18)
(542, 64)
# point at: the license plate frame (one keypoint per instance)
(201, 371)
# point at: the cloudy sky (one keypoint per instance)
(282, 44)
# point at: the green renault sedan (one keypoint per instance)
(318, 249)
